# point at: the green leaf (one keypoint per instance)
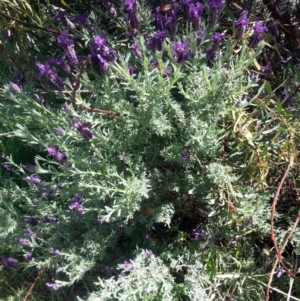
(229, 13)
(265, 151)
(268, 89)
(279, 107)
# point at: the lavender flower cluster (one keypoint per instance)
(101, 55)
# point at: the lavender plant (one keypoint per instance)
(140, 154)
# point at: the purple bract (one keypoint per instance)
(156, 42)
(76, 204)
(34, 180)
(180, 51)
(58, 156)
(53, 286)
(10, 261)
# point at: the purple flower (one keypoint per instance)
(100, 47)
(10, 261)
(76, 204)
(121, 157)
(29, 167)
(217, 37)
(63, 39)
(45, 219)
(66, 107)
(185, 7)
(7, 166)
(53, 218)
(61, 15)
(29, 256)
(98, 42)
(32, 221)
(148, 253)
(146, 234)
(158, 20)
(54, 251)
(126, 265)
(58, 270)
(199, 36)
(280, 271)
(81, 19)
(58, 156)
(5, 156)
(211, 55)
(241, 24)
(132, 13)
(16, 88)
(36, 201)
(156, 42)
(198, 234)
(62, 63)
(54, 286)
(31, 233)
(166, 73)
(51, 76)
(47, 191)
(214, 5)
(288, 59)
(82, 128)
(154, 62)
(180, 51)
(94, 159)
(186, 155)
(58, 131)
(109, 7)
(109, 270)
(258, 29)
(64, 42)
(194, 15)
(24, 242)
(34, 180)
(287, 99)
(102, 64)
(171, 23)
(136, 51)
(20, 79)
(130, 69)
(41, 101)
(72, 56)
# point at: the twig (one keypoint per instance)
(6, 134)
(270, 77)
(51, 259)
(77, 84)
(37, 278)
(22, 68)
(279, 252)
(283, 188)
(27, 24)
(273, 288)
(75, 89)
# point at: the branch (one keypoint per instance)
(28, 24)
(279, 252)
(51, 259)
(23, 68)
(6, 134)
(75, 89)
